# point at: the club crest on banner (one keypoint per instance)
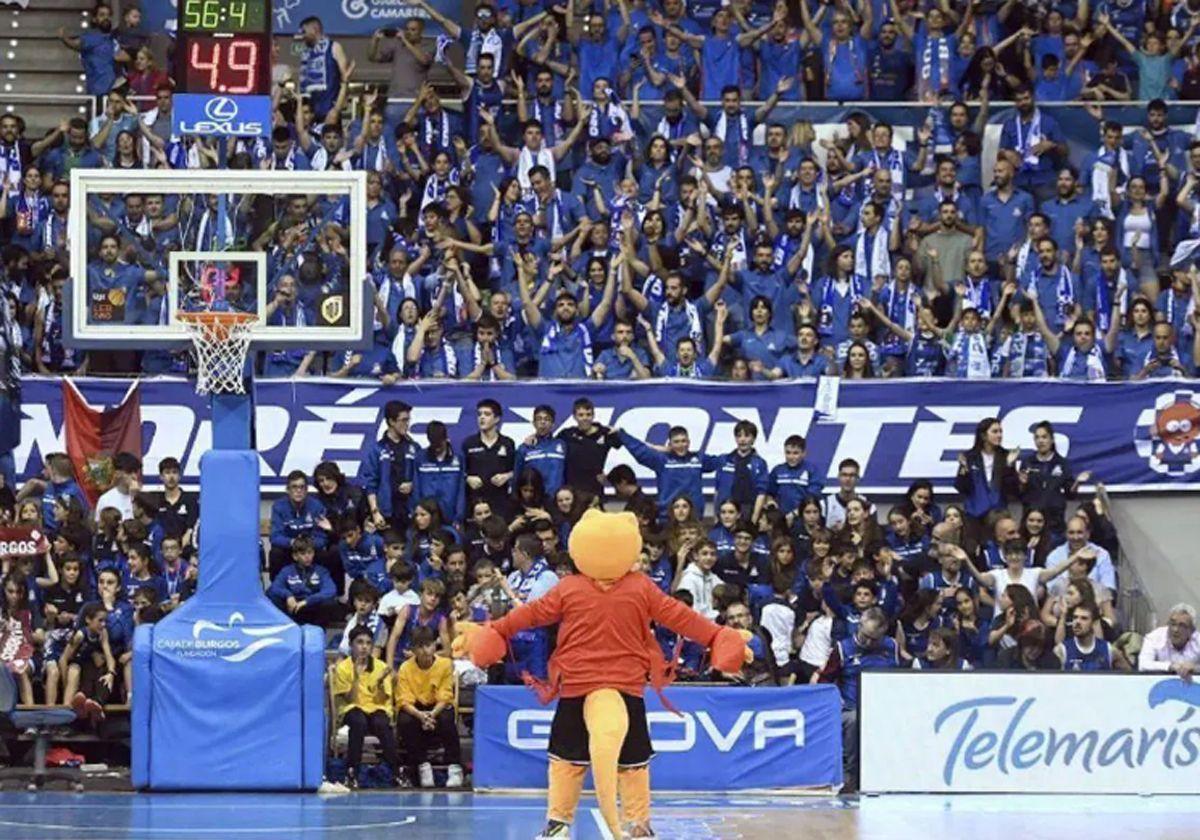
(1166, 435)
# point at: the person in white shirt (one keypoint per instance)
(1078, 537)
(402, 594)
(127, 469)
(698, 578)
(1174, 648)
(833, 506)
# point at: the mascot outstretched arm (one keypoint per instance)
(605, 656)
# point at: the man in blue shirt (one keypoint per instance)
(112, 285)
(1032, 142)
(1002, 212)
(305, 590)
(565, 349)
(1067, 209)
(891, 66)
(624, 360)
(98, 50)
(75, 152)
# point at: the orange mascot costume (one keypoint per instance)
(605, 655)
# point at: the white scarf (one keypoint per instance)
(940, 45)
(289, 162)
(695, 323)
(527, 159)
(874, 260)
(405, 286)
(971, 356)
(893, 162)
(10, 157)
(613, 114)
(1106, 161)
(1023, 259)
(435, 136)
(1174, 371)
(488, 42)
(1027, 139)
(552, 136)
(721, 130)
(906, 313)
(856, 289)
(206, 231)
(435, 189)
(1095, 364)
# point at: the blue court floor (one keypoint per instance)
(117, 816)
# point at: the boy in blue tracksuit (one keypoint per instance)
(547, 454)
(795, 480)
(678, 471)
(742, 475)
(438, 474)
(387, 470)
(296, 514)
(305, 590)
(362, 555)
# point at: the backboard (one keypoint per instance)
(288, 248)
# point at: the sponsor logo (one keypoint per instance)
(529, 729)
(994, 733)
(241, 647)
(222, 116)
(1166, 435)
(15, 541)
(354, 9)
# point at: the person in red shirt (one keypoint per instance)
(605, 654)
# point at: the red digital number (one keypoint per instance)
(238, 73)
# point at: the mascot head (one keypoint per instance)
(604, 546)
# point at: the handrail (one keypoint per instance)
(52, 99)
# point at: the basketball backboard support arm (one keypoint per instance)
(357, 334)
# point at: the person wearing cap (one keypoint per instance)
(323, 67)
(486, 37)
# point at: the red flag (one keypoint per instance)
(94, 436)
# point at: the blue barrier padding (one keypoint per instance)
(223, 700)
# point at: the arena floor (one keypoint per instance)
(109, 816)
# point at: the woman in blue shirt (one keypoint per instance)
(1135, 340)
(985, 478)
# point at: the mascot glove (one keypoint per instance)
(729, 650)
(484, 645)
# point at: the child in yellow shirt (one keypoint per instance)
(363, 684)
(425, 709)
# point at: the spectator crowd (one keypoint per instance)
(616, 195)
(1015, 573)
(558, 226)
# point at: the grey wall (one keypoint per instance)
(1160, 542)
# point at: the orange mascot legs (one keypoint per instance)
(607, 724)
(566, 786)
(634, 786)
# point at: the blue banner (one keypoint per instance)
(1132, 435)
(723, 739)
(221, 116)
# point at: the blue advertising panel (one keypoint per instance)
(733, 738)
(1132, 436)
(221, 116)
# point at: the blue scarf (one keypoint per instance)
(857, 289)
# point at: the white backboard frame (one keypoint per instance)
(79, 333)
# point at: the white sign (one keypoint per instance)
(979, 732)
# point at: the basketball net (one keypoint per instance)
(222, 340)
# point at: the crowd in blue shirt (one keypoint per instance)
(618, 200)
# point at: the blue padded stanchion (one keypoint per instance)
(228, 691)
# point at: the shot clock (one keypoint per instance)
(223, 47)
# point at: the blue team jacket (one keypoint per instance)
(366, 560)
(677, 476)
(289, 522)
(548, 456)
(440, 479)
(313, 585)
(377, 470)
(790, 486)
(727, 470)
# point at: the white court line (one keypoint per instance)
(150, 806)
(223, 830)
(601, 824)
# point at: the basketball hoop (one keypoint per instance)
(222, 340)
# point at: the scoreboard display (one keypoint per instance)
(223, 47)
